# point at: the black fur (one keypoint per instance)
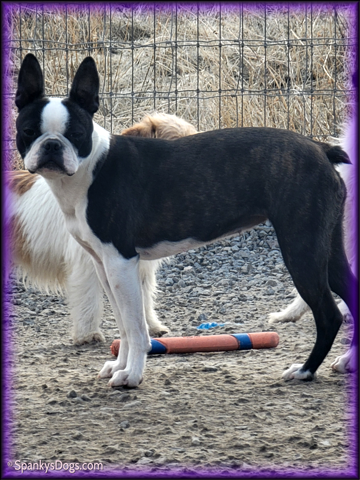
(30, 83)
(206, 186)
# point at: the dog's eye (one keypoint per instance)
(29, 132)
(76, 135)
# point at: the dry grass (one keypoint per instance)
(185, 71)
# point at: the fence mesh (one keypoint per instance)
(217, 66)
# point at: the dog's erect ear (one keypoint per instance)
(30, 82)
(85, 87)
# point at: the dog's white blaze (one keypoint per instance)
(55, 116)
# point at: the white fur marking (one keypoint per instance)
(292, 312)
(54, 118)
(167, 249)
(123, 279)
(295, 372)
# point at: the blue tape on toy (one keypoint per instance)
(244, 341)
(157, 347)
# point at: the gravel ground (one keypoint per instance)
(223, 413)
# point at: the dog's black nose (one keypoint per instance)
(52, 146)
(51, 155)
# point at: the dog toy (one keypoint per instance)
(211, 343)
(207, 326)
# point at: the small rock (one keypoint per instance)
(136, 403)
(86, 398)
(77, 436)
(345, 341)
(144, 461)
(167, 382)
(249, 268)
(111, 450)
(125, 424)
(125, 397)
(72, 394)
(195, 441)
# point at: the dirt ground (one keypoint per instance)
(224, 413)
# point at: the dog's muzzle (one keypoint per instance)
(51, 156)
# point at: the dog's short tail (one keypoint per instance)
(335, 153)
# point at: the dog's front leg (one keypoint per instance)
(124, 279)
(112, 366)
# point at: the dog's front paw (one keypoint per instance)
(91, 337)
(109, 369)
(126, 378)
(296, 371)
(345, 363)
(158, 330)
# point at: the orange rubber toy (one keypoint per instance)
(211, 343)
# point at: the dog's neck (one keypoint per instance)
(71, 191)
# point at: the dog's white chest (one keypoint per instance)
(79, 230)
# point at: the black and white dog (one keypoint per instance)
(45, 255)
(129, 198)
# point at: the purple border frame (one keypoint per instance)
(187, 471)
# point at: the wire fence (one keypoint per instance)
(215, 65)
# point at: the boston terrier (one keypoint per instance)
(129, 198)
(45, 255)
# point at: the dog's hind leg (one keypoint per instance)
(85, 295)
(344, 283)
(309, 271)
(328, 319)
